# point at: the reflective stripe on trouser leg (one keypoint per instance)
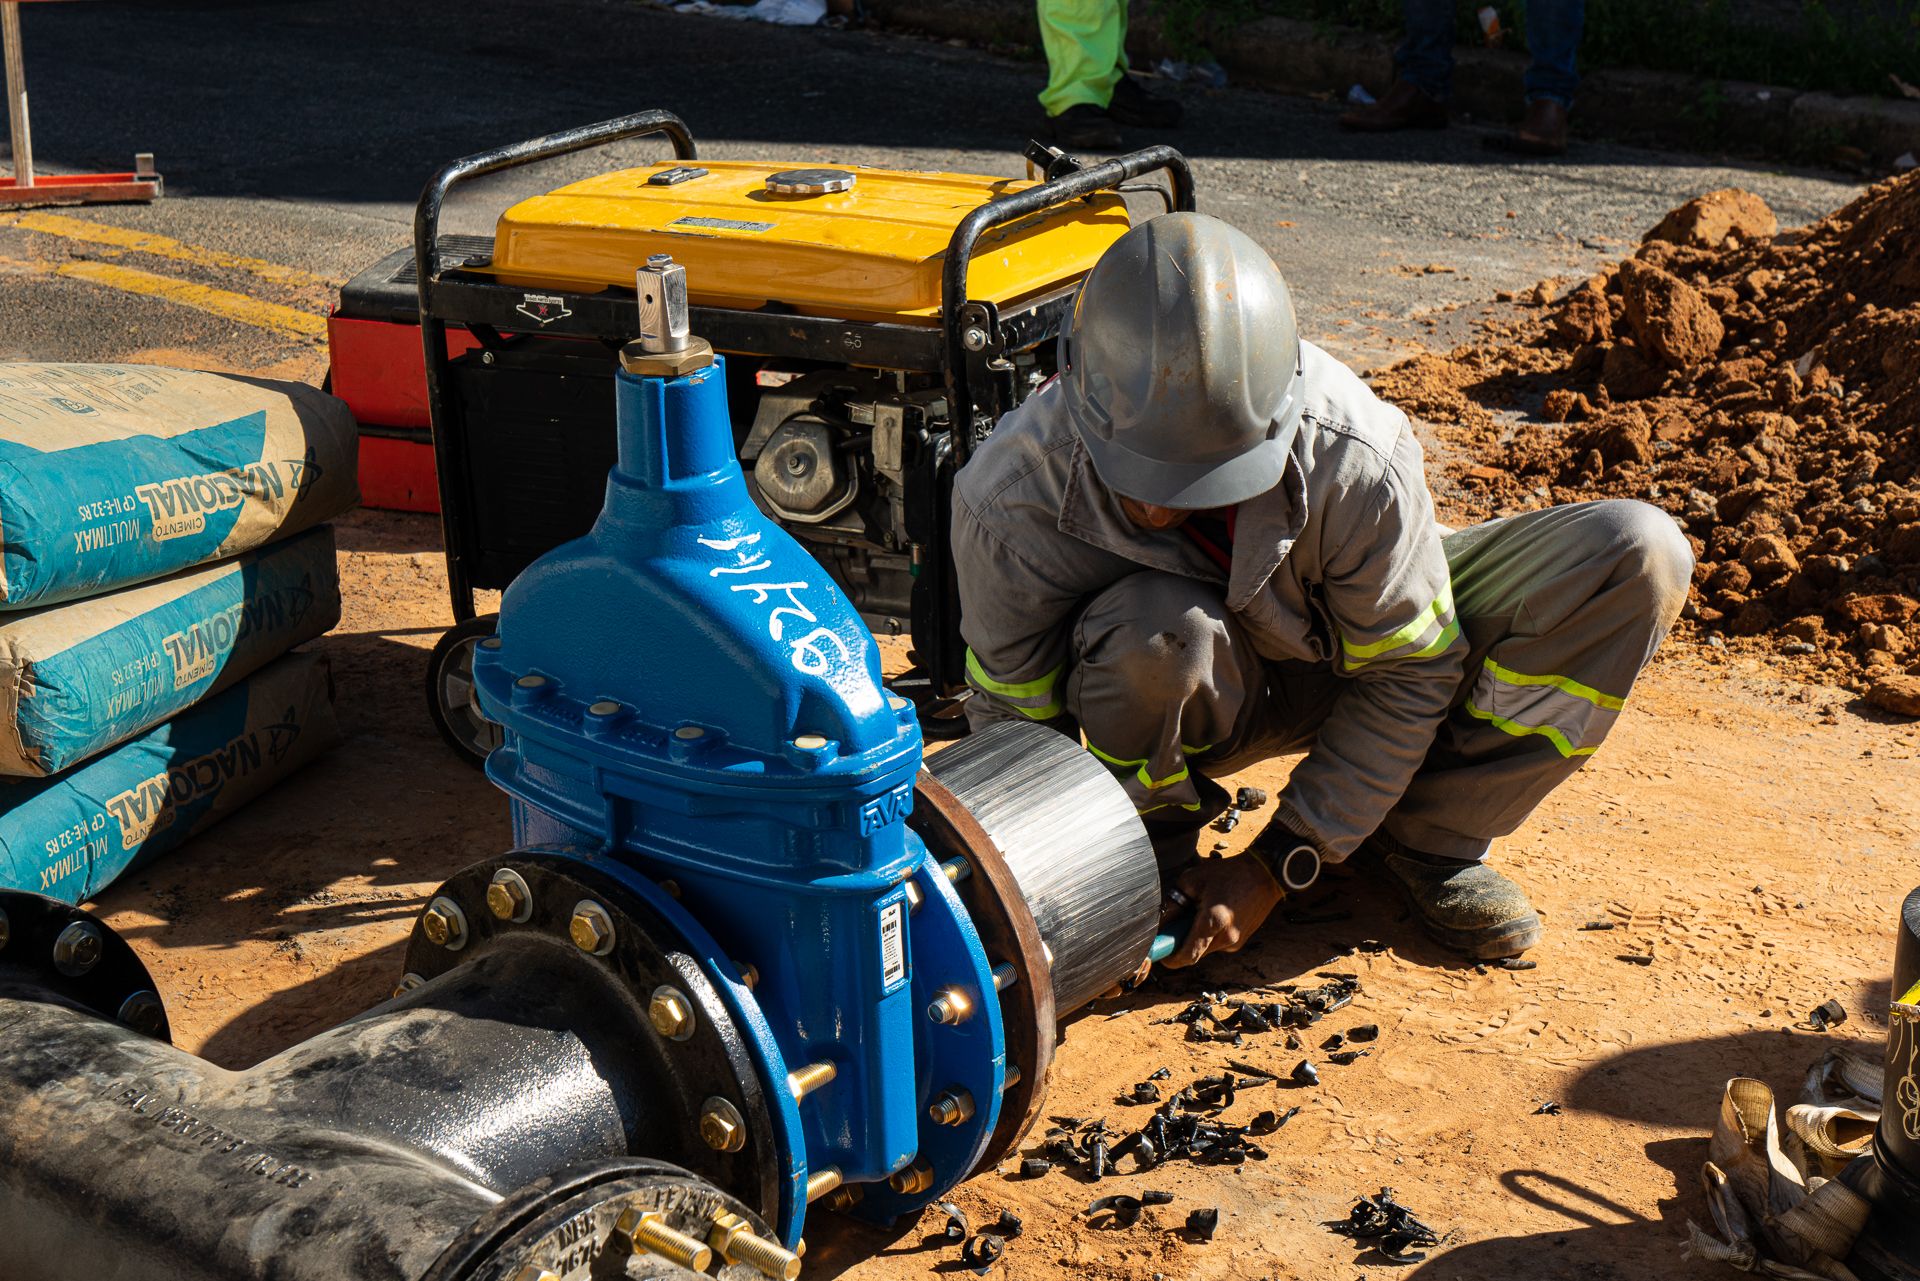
(1561, 608)
(1085, 42)
(1160, 672)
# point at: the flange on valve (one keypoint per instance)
(692, 710)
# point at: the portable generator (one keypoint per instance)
(876, 324)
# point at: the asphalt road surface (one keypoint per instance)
(294, 137)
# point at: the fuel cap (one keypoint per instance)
(810, 182)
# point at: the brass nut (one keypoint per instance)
(722, 1128)
(508, 896)
(671, 1013)
(736, 1241)
(444, 924)
(911, 1180)
(953, 1106)
(641, 363)
(951, 1006)
(591, 929)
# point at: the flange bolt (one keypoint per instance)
(951, 1006)
(142, 1012)
(721, 1126)
(822, 1182)
(804, 1081)
(78, 949)
(649, 1231)
(444, 924)
(953, 1106)
(671, 1013)
(508, 897)
(591, 929)
(911, 1180)
(733, 1237)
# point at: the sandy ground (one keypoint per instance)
(1756, 851)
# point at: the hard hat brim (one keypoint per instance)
(1195, 486)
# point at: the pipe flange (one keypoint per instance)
(577, 1222)
(72, 954)
(601, 910)
(1008, 932)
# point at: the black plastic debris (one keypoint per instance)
(1389, 1226)
(1550, 1108)
(1830, 1014)
(1347, 1058)
(1636, 958)
(981, 1252)
(1159, 1074)
(1145, 1092)
(1517, 963)
(1365, 1032)
(1204, 1223)
(956, 1227)
(1033, 1167)
(1598, 925)
(1305, 1073)
(1249, 798)
(1007, 1226)
(1153, 1196)
(1334, 1042)
(1266, 1122)
(1255, 1075)
(1124, 1210)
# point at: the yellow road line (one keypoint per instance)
(147, 242)
(219, 302)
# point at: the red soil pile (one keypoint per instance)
(1763, 387)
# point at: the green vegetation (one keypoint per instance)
(1841, 46)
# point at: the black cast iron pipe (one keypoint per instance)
(373, 1151)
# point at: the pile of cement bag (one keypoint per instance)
(161, 551)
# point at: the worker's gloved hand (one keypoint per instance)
(1231, 898)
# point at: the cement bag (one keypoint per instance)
(69, 836)
(78, 678)
(115, 474)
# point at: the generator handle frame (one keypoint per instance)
(448, 453)
(955, 305)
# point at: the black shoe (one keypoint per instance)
(1133, 106)
(1466, 907)
(1086, 126)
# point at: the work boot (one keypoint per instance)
(1467, 907)
(1084, 126)
(1404, 107)
(1542, 131)
(1133, 106)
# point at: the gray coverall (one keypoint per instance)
(1440, 686)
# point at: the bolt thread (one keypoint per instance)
(804, 1081)
(657, 1238)
(821, 1182)
(761, 1255)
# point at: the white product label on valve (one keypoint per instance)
(893, 943)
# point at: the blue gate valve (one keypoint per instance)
(684, 691)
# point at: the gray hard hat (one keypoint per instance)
(1181, 365)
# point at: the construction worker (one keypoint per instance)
(1206, 543)
(1089, 94)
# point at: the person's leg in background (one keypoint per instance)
(1085, 42)
(1089, 92)
(1423, 75)
(1554, 28)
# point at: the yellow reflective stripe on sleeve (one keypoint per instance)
(1565, 684)
(1033, 699)
(1441, 611)
(1912, 997)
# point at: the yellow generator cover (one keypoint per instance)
(873, 251)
